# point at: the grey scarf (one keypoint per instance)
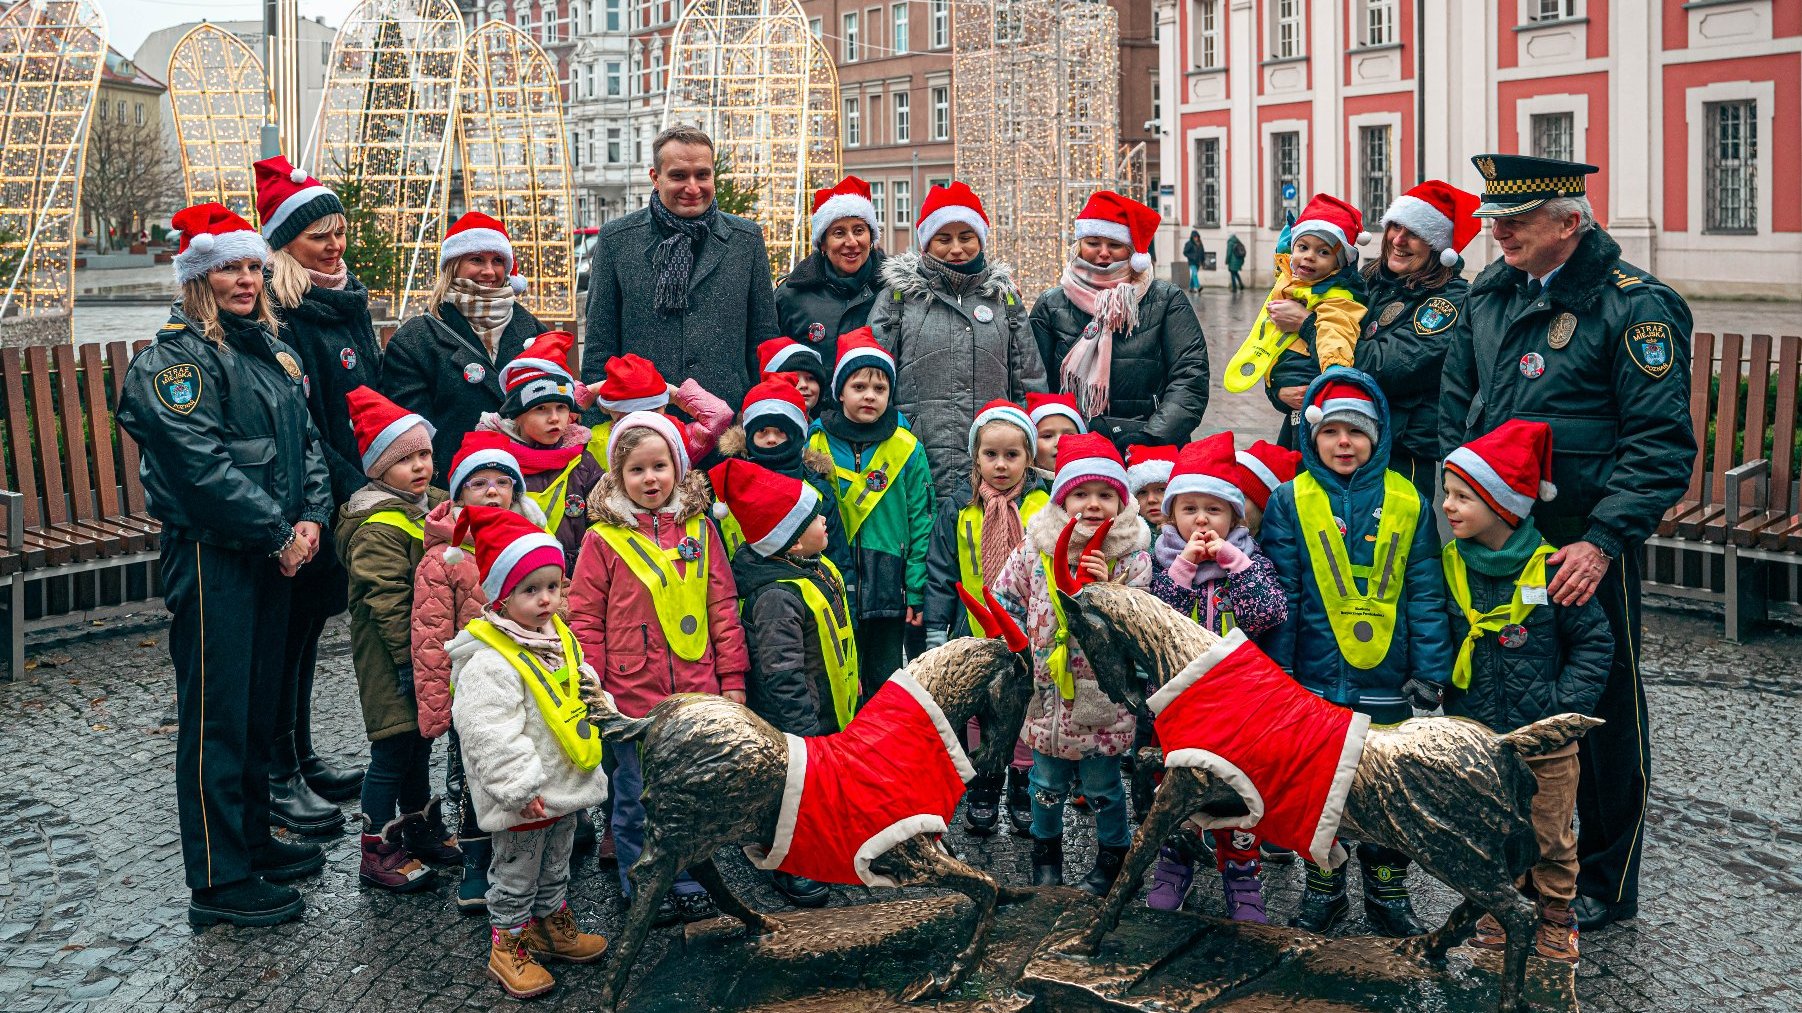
(677, 253)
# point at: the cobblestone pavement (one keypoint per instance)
(92, 909)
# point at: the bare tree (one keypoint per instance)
(129, 174)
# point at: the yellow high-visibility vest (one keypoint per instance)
(1363, 621)
(397, 519)
(969, 545)
(867, 487)
(1512, 613)
(838, 643)
(558, 694)
(680, 599)
(550, 498)
(1251, 363)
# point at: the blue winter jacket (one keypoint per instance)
(1304, 645)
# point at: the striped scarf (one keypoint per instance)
(1110, 296)
(487, 309)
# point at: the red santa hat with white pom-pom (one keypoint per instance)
(771, 509)
(212, 235)
(289, 200)
(1439, 213)
(1122, 219)
(1334, 220)
(1509, 468)
(476, 232)
(848, 198)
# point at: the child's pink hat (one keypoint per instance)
(1086, 457)
(507, 547)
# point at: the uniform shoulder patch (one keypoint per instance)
(1623, 280)
(1435, 315)
(178, 387)
(1652, 347)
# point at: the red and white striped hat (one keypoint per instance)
(476, 232)
(1439, 213)
(848, 198)
(289, 200)
(1207, 467)
(1039, 407)
(859, 350)
(484, 448)
(1001, 410)
(632, 384)
(212, 235)
(771, 508)
(1122, 219)
(540, 374)
(508, 547)
(1146, 465)
(1331, 218)
(773, 401)
(1262, 468)
(1509, 468)
(946, 205)
(1084, 457)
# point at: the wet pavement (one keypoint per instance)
(93, 912)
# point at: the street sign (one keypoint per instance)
(1289, 191)
(1167, 190)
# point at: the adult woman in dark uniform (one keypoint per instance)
(232, 468)
(324, 314)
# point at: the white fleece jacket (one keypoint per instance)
(509, 754)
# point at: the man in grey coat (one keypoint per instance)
(681, 282)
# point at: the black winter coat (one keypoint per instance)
(440, 369)
(787, 685)
(229, 455)
(1607, 347)
(814, 308)
(331, 332)
(1293, 369)
(1159, 384)
(1561, 667)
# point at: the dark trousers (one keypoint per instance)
(319, 592)
(1236, 285)
(229, 619)
(879, 644)
(399, 779)
(1418, 470)
(1615, 761)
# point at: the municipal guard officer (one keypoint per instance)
(1561, 330)
(233, 469)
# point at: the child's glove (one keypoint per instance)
(1423, 695)
(1230, 557)
(403, 677)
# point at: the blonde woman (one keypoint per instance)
(445, 363)
(233, 469)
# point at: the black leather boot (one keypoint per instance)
(801, 891)
(1048, 862)
(334, 782)
(1019, 801)
(1324, 902)
(291, 803)
(984, 810)
(1386, 903)
(1107, 869)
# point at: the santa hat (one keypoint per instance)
(658, 422)
(1207, 467)
(212, 235)
(848, 198)
(1339, 401)
(1509, 468)
(1439, 213)
(484, 449)
(1039, 407)
(859, 350)
(632, 384)
(289, 200)
(1262, 468)
(1334, 220)
(786, 355)
(540, 375)
(1085, 457)
(1000, 410)
(771, 508)
(1122, 219)
(508, 547)
(775, 402)
(475, 232)
(385, 431)
(946, 205)
(1148, 466)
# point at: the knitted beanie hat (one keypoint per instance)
(1000, 410)
(385, 431)
(1509, 468)
(289, 200)
(508, 547)
(662, 425)
(1082, 457)
(1339, 401)
(772, 509)
(540, 375)
(1207, 466)
(1147, 465)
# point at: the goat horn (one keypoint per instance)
(981, 612)
(1079, 580)
(1062, 574)
(1010, 630)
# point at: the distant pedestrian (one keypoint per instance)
(1195, 251)
(831, 292)
(1235, 262)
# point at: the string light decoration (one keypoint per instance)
(384, 131)
(217, 93)
(751, 74)
(516, 160)
(1035, 119)
(51, 53)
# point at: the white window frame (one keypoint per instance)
(613, 21)
(615, 146)
(1286, 29)
(1576, 104)
(902, 190)
(1269, 214)
(616, 76)
(1379, 22)
(1390, 124)
(941, 112)
(1216, 135)
(879, 199)
(1206, 55)
(939, 14)
(1547, 12)
(1534, 148)
(848, 36)
(901, 110)
(817, 27)
(1696, 101)
(852, 117)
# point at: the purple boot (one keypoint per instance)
(1170, 880)
(1244, 892)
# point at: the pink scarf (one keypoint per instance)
(1114, 309)
(1002, 532)
(333, 281)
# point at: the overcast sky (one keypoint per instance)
(129, 21)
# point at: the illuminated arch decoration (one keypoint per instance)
(1035, 121)
(751, 74)
(384, 133)
(217, 92)
(516, 159)
(51, 52)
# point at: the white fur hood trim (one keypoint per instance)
(1129, 533)
(903, 273)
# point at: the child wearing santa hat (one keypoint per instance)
(799, 364)
(530, 754)
(1054, 416)
(772, 432)
(1262, 467)
(1521, 657)
(1147, 474)
(632, 384)
(1076, 732)
(1207, 565)
(654, 605)
(381, 538)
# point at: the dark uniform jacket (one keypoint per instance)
(439, 369)
(230, 456)
(1159, 383)
(814, 308)
(1402, 347)
(788, 686)
(1602, 356)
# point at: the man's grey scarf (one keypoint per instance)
(677, 253)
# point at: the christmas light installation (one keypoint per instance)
(51, 53)
(751, 74)
(516, 160)
(217, 92)
(1035, 120)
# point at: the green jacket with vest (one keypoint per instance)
(381, 559)
(1602, 356)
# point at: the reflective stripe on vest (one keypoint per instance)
(397, 519)
(1512, 613)
(1059, 659)
(558, 694)
(1249, 365)
(550, 498)
(838, 642)
(969, 545)
(680, 597)
(1363, 621)
(597, 443)
(864, 489)
(731, 533)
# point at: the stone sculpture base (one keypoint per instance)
(854, 959)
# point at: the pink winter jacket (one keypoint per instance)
(612, 616)
(712, 417)
(446, 596)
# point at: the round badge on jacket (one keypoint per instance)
(689, 549)
(289, 365)
(816, 332)
(475, 372)
(348, 358)
(983, 314)
(1532, 365)
(1512, 635)
(877, 480)
(574, 506)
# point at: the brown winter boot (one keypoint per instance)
(1489, 935)
(386, 863)
(1557, 935)
(509, 964)
(558, 937)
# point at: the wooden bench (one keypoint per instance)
(79, 543)
(1747, 389)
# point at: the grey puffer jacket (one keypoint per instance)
(955, 350)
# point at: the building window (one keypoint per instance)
(588, 146)
(1285, 30)
(119, 111)
(1554, 136)
(1207, 182)
(941, 23)
(1285, 158)
(898, 29)
(613, 145)
(904, 207)
(902, 102)
(137, 114)
(657, 66)
(1551, 10)
(1376, 178)
(1157, 96)
(848, 39)
(853, 124)
(1379, 22)
(1732, 154)
(877, 200)
(613, 79)
(613, 15)
(941, 113)
(1206, 15)
(818, 27)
